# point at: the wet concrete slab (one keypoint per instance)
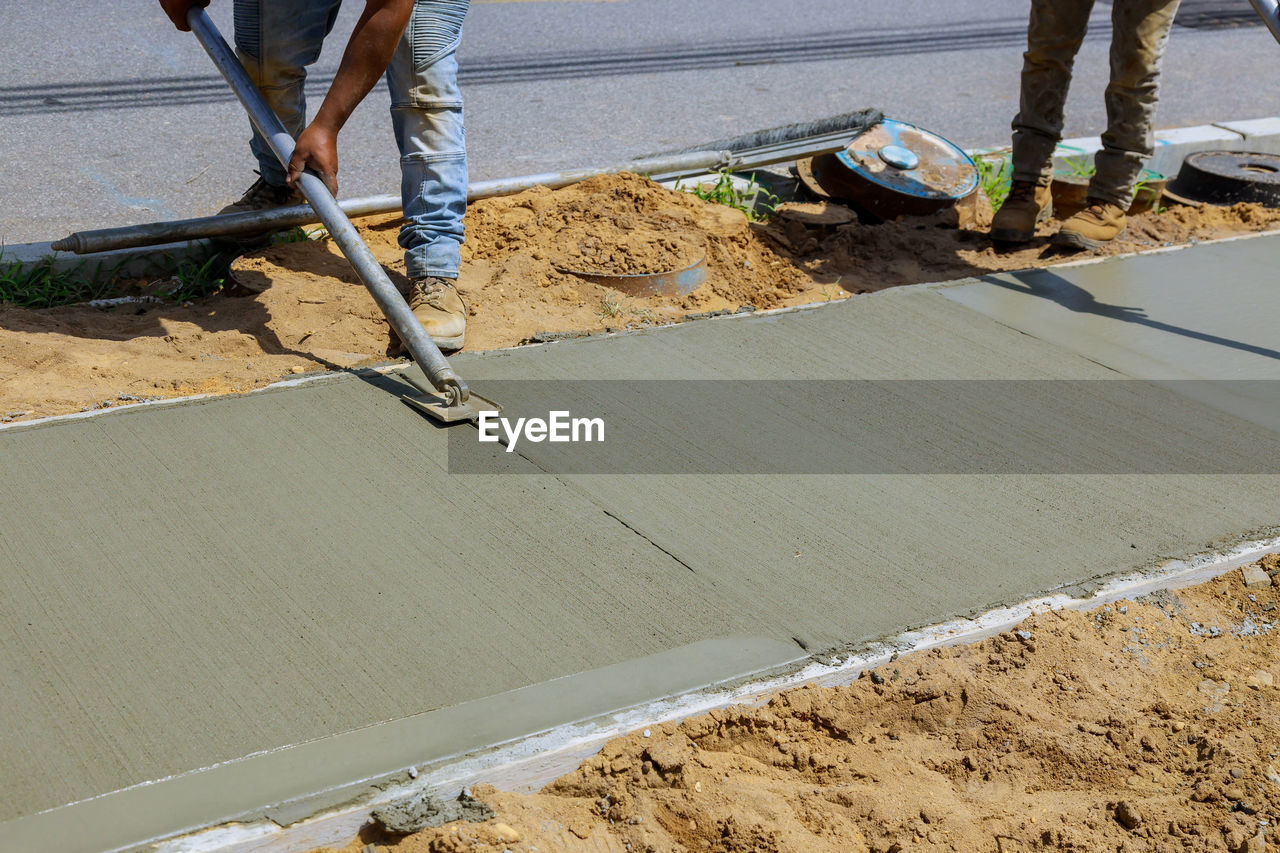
(1204, 312)
(185, 586)
(841, 559)
(191, 585)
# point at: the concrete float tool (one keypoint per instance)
(448, 400)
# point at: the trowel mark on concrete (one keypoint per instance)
(154, 205)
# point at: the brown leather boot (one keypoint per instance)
(1026, 204)
(437, 305)
(1092, 228)
(264, 196)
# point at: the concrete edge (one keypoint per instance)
(129, 263)
(1172, 145)
(372, 765)
(530, 763)
(461, 358)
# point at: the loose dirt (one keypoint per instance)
(1145, 725)
(298, 307)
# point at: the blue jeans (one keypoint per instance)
(278, 39)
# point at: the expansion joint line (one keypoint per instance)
(641, 534)
(604, 509)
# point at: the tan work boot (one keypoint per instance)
(264, 196)
(1092, 228)
(437, 305)
(1026, 204)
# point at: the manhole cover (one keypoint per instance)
(1227, 177)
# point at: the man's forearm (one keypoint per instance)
(369, 51)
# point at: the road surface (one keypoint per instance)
(109, 116)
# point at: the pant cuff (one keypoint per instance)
(414, 272)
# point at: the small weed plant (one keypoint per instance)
(43, 285)
(613, 306)
(755, 202)
(995, 176)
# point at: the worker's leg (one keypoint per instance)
(426, 112)
(276, 41)
(1054, 34)
(1140, 31)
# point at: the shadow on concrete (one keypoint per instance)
(1054, 288)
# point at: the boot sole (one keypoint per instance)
(1008, 235)
(451, 344)
(1074, 240)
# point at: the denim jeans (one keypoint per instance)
(1139, 32)
(278, 39)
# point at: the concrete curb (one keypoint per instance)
(1172, 145)
(129, 263)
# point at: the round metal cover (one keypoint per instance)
(941, 171)
(895, 169)
(1227, 177)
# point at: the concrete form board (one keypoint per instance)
(195, 584)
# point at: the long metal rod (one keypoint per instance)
(393, 305)
(660, 167)
(280, 218)
(1270, 15)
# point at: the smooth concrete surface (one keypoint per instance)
(191, 585)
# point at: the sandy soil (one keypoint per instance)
(1146, 725)
(298, 308)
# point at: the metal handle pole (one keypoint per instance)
(415, 338)
(1269, 14)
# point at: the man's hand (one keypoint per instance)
(177, 11)
(317, 149)
(372, 44)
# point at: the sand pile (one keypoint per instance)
(298, 307)
(1148, 725)
(513, 275)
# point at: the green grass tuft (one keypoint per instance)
(995, 175)
(41, 285)
(725, 191)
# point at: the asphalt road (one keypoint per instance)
(108, 116)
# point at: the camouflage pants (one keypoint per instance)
(1140, 30)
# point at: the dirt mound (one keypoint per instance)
(518, 248)
(1146, 725)
(299, 307)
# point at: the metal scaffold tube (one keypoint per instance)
(749, 151)
(234, 225)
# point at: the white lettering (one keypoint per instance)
(559, 428)
(560, 424)
(489, 420)
(588, 424)
(512, 433)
